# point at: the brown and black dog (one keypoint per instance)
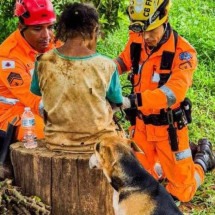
(136, 192)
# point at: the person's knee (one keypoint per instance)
(184, 194)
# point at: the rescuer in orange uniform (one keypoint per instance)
(17, 56)
(162, 64)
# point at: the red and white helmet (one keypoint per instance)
(35, 12)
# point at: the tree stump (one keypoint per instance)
(62, 180)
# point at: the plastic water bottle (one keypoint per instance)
(28, 125)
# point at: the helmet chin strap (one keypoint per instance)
(22, 28)
(165, 27)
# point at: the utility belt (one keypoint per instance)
(180, 115)
(162, 118)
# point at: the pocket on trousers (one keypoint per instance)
(156, 133)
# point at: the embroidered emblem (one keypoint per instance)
(8, 64)
(15, 79)
(185, 65)
(185, 56)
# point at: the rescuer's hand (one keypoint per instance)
(126, 103)
(130, 101)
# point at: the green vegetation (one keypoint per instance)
(8, 22)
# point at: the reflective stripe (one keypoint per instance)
(171, 99)
(198, 179)
(121, 64)
(183, 154)
(8, 101)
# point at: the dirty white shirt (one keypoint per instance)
(75, 92)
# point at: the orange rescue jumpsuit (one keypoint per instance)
(17, 59)
(183, 175)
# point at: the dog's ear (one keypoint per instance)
(106, 153)
(97, 147)
(136, 148)
(132, 145)
(109, 154)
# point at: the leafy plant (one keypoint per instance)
(196, 26)
(7, 20)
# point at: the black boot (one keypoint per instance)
(204, 155)
(193, 148)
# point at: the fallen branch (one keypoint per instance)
(12, 199)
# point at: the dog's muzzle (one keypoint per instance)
(93, 162)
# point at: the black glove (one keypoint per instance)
(130, 108)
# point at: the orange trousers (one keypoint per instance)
(182, 174)
(39, 124)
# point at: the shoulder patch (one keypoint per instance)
(8, 64)
(185, 56)
(15, 79)
(185, 65)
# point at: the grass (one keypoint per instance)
(198, 28)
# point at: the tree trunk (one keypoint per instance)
(62, 180)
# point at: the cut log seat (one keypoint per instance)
(62, 180)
